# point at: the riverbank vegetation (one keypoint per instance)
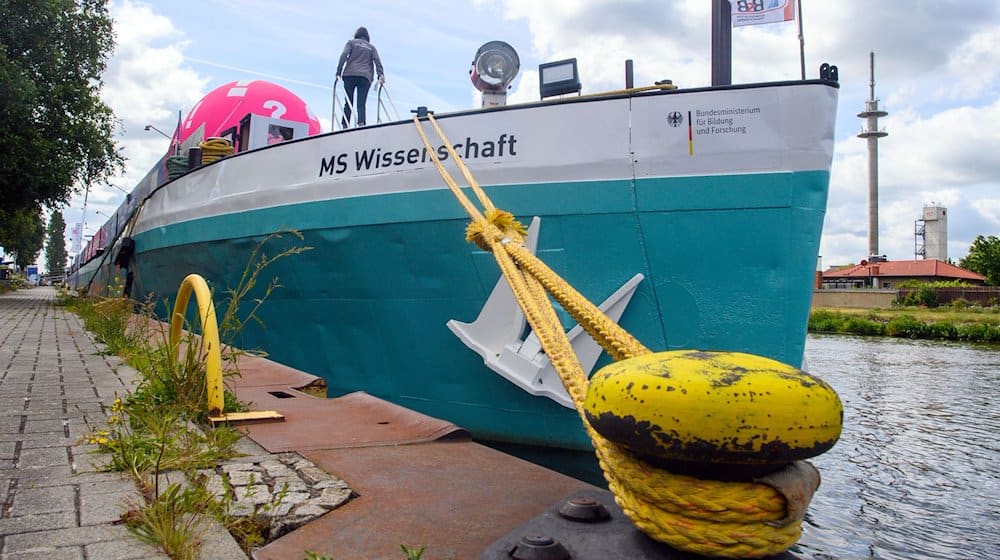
(959, 321)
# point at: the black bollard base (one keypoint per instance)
(588, 525)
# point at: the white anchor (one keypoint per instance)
(496, 335)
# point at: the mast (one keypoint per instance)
(871, 132)
(802, 41)
(722, 43)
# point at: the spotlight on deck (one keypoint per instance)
(558, 78)
(493, 69)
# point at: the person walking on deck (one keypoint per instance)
(357, 66)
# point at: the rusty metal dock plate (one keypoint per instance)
(353, 420)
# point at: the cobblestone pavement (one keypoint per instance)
(53, 382)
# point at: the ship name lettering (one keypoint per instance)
(380, 158)
(336, 164)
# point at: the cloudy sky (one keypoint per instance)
(937, 73)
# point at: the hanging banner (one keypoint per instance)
(755, 12)
(76, 234)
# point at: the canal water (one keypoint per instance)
(916, 473)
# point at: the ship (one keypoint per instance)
(691, 216)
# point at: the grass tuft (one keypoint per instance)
(161, 426)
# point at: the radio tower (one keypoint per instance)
(871, 132)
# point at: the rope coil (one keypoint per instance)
(215, 148)
(176, 166)
(708, 517)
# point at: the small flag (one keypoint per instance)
(76, 233)
(690, 136)
(755, 12)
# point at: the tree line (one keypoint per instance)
(56, 135)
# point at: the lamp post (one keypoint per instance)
(177, 146)
(117, 187)
(164, 134)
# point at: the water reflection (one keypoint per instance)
(915, 474)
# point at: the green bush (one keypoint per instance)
(857, 325)
(927, 296)
(979, 332)
(17, 282)
(961, 303)
(973, 332)
(909, 299)
(906, 326)
(913, 284)
(941, 330)
(825, 321)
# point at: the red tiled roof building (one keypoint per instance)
(888, 274)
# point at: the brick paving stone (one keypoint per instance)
(97, 509)
(77, 479)
(43, 457)
(52, 412)
(36, 501)
(60, 552)
(31, 441)
(119, 550)
(11, 424)
(7, 449)
(34, 523)
(54, 386)
(70, 536)
(97, 486)
(43, 476)
(44, 424)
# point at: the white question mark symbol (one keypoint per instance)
(277, 108)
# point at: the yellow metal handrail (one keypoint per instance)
(209, 335)
(213, 349)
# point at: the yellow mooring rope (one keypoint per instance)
(708, 517)
(215, 148)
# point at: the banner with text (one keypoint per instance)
(755, 12)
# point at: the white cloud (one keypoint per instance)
(989, 209)
(146, 82)
(975, 64)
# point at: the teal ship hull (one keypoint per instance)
(725, 237)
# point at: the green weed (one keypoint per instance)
(161, 426)
(173, 520)
(412, 553)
